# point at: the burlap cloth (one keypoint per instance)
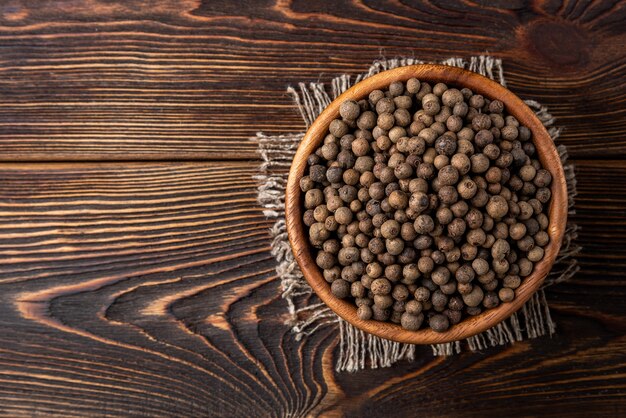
(358, 350)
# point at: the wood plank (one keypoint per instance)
(149, 289)
(84, 80)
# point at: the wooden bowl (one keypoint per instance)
(452, 76)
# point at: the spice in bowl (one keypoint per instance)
(425, 205)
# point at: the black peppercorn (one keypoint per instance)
(340, 288)
(364, 312)
(380, 314)
(439, 89)
(451, 97)
(506, 294)
(338, 128)
(381, 286)
(401, 116)
(439, 323)
(445, 145)
(411, 322)
(349, 110)
(431, 104)
(465, 274)
(413, 85)
(491, 300)
(509, 132)
(467, 188)
(497, 207)
(456, 228)
(448, 195)
(476, 101)
(367, 120)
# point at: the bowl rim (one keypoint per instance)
(454, 76)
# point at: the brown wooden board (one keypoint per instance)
(130, 80)
(148, 289)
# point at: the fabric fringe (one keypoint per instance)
(276, 154)
(358, 350)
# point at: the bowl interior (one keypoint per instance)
(457, 77)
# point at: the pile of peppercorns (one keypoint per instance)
(426, 202)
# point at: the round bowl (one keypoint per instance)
(548, 155)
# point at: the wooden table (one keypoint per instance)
(136, 275)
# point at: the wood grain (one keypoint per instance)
(148, 289)
(126, 80)
(314, 137)
(144, 289)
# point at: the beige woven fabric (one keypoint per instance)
(358, 350)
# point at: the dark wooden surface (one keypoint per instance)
(135, 283)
